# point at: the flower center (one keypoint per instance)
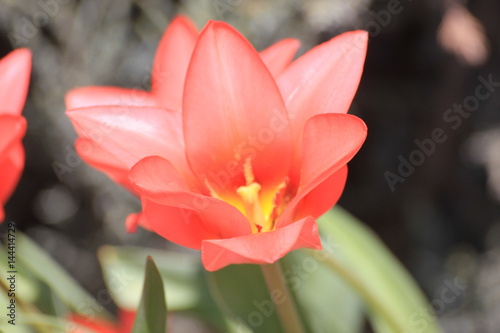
(261, 219)
(262, 205)
(253, 210)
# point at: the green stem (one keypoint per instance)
(362, 290)
(287, 310)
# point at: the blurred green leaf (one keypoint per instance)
(29, 292)
(326, 302)
(5, 302)
(41, 265)
(123, 269)
(395, 302)
(183, 279)
(33, 293)
(151, 315)
(241, 293)
(39, 323)
(19, 328)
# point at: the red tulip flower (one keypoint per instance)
(254, 156)
(15, 71)
(168, 76)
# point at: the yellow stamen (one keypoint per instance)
(248, 172)
(250, 195)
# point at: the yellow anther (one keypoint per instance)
(278, 201)
(248, 172)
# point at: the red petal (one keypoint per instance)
(11, 154)
(131, 133)
(172, 60)
(233, 111)
(101, 95)
(323, 197)
(156, 175)
(213, 219)
(127, 319)
(279, 55)
(181, 216)
(11, 168)
(330, 141)
(325, 79)
(263, 248)
(77, 322)
(15, 69)
(12, 129)
(134, 220)
(103, 160)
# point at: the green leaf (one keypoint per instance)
(42, 266)
(326, 302)
(123, 269)
(241, 293)
(183, 279)
(34, 322)
(152, 313)
(29, 292)
(395, 302)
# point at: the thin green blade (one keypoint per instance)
(152, 313)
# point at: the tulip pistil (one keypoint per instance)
(250, 195)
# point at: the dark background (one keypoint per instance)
(426, 56)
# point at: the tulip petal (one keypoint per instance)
(172, 60)
(15, 69)
(127, 318)
(325, 79)
(134, 220)
(330, 141)
(103, 95)
(233, 112)
(178, 215)
(189, 227)
(12, 129)
(263, 248)
(279, 55)
(11, 168)
(323, 197)
(81, 324)
(180, 226)
(131, 133)
(103, 160)
(156, 175)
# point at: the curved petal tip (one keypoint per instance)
(263, 248)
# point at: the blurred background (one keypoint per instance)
(437, 206)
